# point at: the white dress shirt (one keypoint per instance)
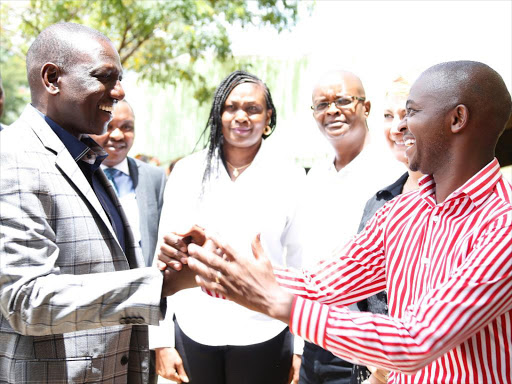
(333, 202)
(263, 199)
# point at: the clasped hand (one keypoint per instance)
(222, 272)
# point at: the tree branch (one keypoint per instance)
(124, 58)
(127, 27)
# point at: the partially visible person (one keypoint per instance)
(2, 100)
(75, 299)
(172, 164)
(238, 187)
(148, 159)
(394, 113)
(336, 193)
(443, 252)
(139, 186)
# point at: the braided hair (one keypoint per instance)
(215, 154)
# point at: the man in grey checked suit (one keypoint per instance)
(139, 186)
(74, 303)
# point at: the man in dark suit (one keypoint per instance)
(139, 186)
(75, 298)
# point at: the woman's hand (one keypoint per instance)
(378, 376)
(169, 365)
(293, 377)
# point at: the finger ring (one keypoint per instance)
(217, 277)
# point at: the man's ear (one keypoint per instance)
(50, 74)
(459, 117)
(367, 106)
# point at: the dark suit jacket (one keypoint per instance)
(149, 183)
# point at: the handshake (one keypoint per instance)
(197, 258)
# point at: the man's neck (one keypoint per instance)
(346, 153)
(455, 174)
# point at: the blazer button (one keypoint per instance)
(124, 360)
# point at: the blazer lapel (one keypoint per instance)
(65, 162)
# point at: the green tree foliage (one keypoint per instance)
(159, 39)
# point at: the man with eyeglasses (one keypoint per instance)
(336, 193)
(443, 252)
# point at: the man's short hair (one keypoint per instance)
(58, 44)
(473, 84)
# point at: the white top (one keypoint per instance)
(263, 199)
(333, 202)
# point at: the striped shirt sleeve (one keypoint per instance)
(477, 292)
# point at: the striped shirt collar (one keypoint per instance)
(477, 188)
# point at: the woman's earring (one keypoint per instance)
(267, 131)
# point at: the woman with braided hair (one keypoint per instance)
(238, 187)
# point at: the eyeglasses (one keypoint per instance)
(340, 103)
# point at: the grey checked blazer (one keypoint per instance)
(69, 296)
(149, 183)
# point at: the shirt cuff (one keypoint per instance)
(308, 320)
(162, 336)
(298, 345)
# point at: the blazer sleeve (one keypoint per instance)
(44, 290)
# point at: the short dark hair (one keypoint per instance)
(214, 123)
(58, 44)
(475, 85)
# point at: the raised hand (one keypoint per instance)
(175, 281)
(248, 282)
(174, 250)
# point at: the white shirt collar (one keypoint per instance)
(122, 166)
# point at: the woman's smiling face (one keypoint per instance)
(245, 115)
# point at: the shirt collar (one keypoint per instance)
(122, 166)
(85, 149)
(394, 189)
(353, 166)
(477, 188)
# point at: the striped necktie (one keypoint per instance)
(111, 174)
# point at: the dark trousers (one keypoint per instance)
(268, 362)
(322, 367)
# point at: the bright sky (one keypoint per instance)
(389, 37)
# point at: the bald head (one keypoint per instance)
(341, 77)
(476, 85)
(57, 44)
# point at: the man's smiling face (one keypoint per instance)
(88, 89)
(427, 136)
(118, 140)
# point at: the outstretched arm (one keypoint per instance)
(471, 299)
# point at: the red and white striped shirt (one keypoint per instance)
(448, 271)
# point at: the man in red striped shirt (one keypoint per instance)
(444, 252)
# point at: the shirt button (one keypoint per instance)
(124, 360)
(435, 219)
